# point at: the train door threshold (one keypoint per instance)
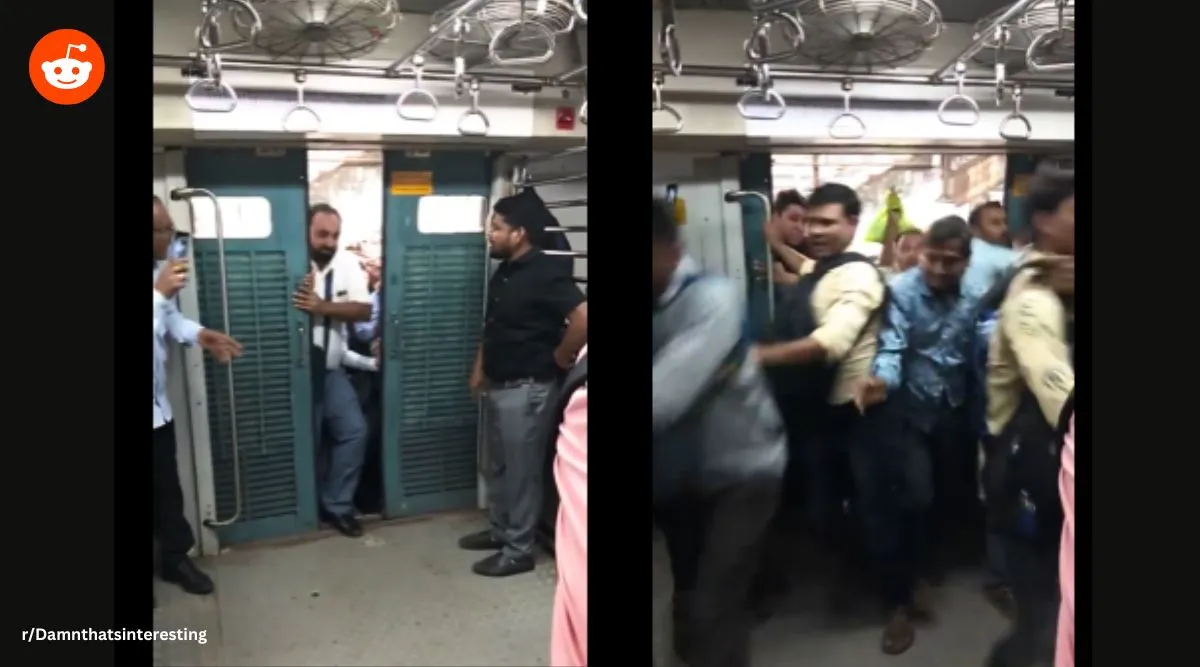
(403, 594)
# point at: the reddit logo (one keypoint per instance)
(66, 67)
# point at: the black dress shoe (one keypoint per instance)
(188, 576)
(346, 525)
(501, 565)
(481, 541)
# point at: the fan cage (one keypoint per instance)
(482, 25)
(321, 32)
(865, 35)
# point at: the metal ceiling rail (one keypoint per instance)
(436, 31)
(550, 157)
(571, 73)
(269, 67)
(981, 36)
(796, 74)
(569, 203)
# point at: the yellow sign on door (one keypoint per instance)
(412, 183)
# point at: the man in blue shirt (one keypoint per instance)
(991, 253)
(923, 368)
(170, 525)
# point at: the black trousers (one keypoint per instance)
(170, 526)
(1033, 575)
(714, 542)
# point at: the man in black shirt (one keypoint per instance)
(534, 326)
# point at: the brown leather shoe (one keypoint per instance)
(898, 635)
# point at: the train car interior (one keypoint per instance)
(409, 118)
(943, 104)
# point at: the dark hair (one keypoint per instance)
(663, 223)
(788, 198)
(1049, 188)
(157, 200)
(317, 209)
(947, 230)
(521, 211)
(977, 212)
(909, 231)
(836, 193)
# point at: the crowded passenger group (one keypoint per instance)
(908, 414)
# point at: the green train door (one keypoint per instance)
(430, 328)
(265, 257)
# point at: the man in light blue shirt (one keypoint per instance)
(923, 368)
(170, 525)
(991, 256)
(367, 331)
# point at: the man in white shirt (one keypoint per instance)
(334, 293)
(170, 526)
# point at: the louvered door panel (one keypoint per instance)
(272, 492)
(434, 312)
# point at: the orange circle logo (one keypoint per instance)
(66, 67)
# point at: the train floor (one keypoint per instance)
(403, 594)
(803, 633)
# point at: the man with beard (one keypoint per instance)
(525, 348)
(335, 294)
(170, 526)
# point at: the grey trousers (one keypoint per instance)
(515, 462)
(341, 443)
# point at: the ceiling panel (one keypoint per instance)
(953, 11)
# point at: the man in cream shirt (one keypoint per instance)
(832, 320)
(335, 294)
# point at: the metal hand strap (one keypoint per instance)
(847, 126)
(513, 30)
(668, 39)
(758, 46)
(1047, 38)
(417, 103)
(999, 66)
(474, 112)
(668, 49)
(946, 110)
(762, 101)
(209, 94)
(580, 11)
(242, 13)
(1016, 125)
(583, 113)
(661, 108)
(301, 118)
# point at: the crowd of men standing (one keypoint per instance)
(864, 415)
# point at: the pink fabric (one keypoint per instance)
(568, 630)
(1065, 655)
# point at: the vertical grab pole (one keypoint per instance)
(742, 195)
(188, 194)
